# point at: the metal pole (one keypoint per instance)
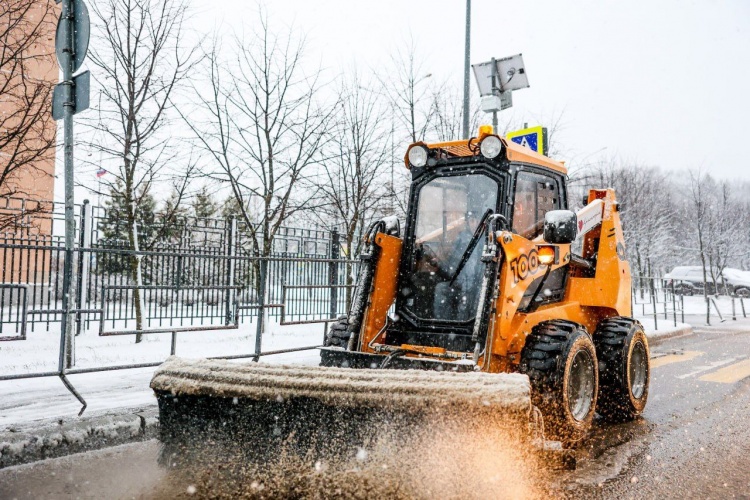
(654, 302)
(466, 69)
(84, 239)
(66, 336)
(494, 92)
(333, 272)
(229, 297)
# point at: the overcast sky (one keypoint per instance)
(663, 82)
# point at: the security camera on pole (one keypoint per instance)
(70, 96)
(497, 79)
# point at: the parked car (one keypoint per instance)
(688, 280)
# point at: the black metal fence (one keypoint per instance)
(186, 276)
(663, 301)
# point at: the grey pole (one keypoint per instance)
(466, 69)
(66, 336)
(494, 92)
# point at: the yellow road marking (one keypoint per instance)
(729, 374)
(675, 358)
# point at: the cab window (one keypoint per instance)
(535, 195)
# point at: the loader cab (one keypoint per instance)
(435, 305)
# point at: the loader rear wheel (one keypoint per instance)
(624, 368)
(338, 334)
(560, 359)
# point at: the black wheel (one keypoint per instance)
(683, 289)
(742, 292)
(624, 368)
(338, 333)
(560, 359)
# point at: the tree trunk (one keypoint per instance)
(135, 268)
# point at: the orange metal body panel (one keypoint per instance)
(383, 288)
(587, 301)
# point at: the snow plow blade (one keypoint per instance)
(260, 409)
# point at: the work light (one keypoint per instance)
(491, 146)
(418, 156)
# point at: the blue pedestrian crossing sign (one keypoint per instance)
(534, 138)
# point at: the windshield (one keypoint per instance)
(449, 211)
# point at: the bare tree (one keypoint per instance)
(446, 111)
(141, 57)
(27, 131)
(352, 184)
(260, 123)
(407, 91)
(700, 190)
(647, 210)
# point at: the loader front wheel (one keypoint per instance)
(338, 334)
(560, 359)
(624, 368)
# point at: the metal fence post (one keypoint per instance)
(653, 301)
(674, 304)
(734, 310)
(231, 238)
(721, 318)
(333, 271)
(83, 263)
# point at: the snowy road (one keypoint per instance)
(692, 442)
(694, 438)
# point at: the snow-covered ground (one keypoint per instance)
(30, 399)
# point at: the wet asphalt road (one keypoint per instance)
(693, 442)
(694, 438)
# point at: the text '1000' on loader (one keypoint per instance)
(495, 303)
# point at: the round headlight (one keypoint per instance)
(491, 146)
(418, 156)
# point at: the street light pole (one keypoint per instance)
(466, 69)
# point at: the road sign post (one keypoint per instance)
(71, 45)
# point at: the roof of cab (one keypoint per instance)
(514, 152)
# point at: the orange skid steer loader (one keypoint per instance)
(495, 301)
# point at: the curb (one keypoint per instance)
(657, 337)
(26, 443)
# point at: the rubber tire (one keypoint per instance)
(615, 340)
(683, 290)
(742, 292)
(338, 333)
(546, 358)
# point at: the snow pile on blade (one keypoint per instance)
(210, 410)
(402, 390)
